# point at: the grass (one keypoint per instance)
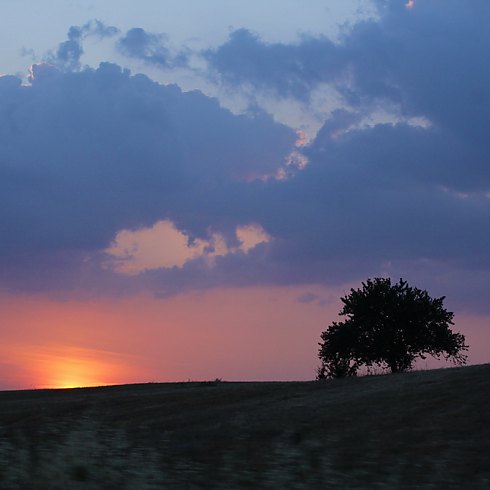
(424, 429)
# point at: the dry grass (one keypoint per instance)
(416, 430)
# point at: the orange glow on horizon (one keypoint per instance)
(237, 334)
(54, 367)
(221, 333)
(75, 372)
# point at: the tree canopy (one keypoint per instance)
(388, 325)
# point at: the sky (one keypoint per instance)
(188, 188)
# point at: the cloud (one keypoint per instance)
(67, 55)
(311, 297)
(289, 70)
(87, 154)
(136, 43)
(416, 62)
(150, 48)
(383, 193)
(100, 162)
(164, 246)
(308, 297)
(408, 190)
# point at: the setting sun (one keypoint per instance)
(65, 366)
(74, 373)
(74, 368)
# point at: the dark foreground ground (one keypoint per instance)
(417, 430)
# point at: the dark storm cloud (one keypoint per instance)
(150, 48)
(429, 61)
(86, 154)
(393, 193)
(373, 193)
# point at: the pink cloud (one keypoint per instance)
(163, 245)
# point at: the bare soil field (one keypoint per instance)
(424, 429)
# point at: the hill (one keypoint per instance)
(425, 429)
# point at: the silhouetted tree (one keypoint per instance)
(388, 325)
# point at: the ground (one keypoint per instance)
(424, 429)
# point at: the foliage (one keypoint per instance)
(338, 352)
(388, 325)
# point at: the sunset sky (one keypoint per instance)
(187, 188)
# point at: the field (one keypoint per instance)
(424, 429)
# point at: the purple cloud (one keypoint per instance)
(88, 153)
